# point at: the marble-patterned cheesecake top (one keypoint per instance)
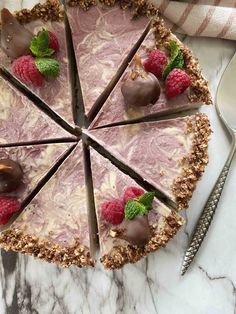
(35, 162)
(103, 37)
(115, 110)
(58, 213)
(110, 183)
(21, 121)
(56, 92)
(154, 150)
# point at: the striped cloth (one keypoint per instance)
(209, 18)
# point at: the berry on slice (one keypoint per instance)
(156, 62)
(54, 44)
(25, 70)
(176, 82)
(113, 211)
(8, 206)
(132, 192)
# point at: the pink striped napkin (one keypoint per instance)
(209, 18)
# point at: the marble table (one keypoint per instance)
(154, 285)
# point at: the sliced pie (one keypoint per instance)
(54, 226)
(143, 91)
(21, 121)
(170, 155)
(34, 163)
(125, 240)
(104, 36)
(15, 41)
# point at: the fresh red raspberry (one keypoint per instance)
(132, 192)
(177, 82)
(113, 211)
(54, 44)
(8, 206)
(25, 70)
(156, 62)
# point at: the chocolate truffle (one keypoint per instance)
(141, 91)
(11, 175)
(137, 231)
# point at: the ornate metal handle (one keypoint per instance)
(207, 215)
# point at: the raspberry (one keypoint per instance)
(25, 70)
(113, 211)
(156, 62)
(8, 206)
(54, 44)
(176, 82)
(132, 192)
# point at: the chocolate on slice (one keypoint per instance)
(54, 226)
(131, 240)
(11, 175)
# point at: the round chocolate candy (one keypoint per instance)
(142, 91)
(137, 231)
(11, 175)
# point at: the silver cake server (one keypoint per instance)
(226, 109)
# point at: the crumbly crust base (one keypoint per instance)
(51, 10)
(199, 87)
(194, 164)
(138, 7)
(121, 255)
(16, 240)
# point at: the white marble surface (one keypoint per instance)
(153, 285)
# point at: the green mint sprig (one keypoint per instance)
(48, 67)
(139, 206)
(146, 199)
(40, 45)
(176, 59)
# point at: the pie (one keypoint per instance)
(88, 148)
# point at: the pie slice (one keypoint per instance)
(21, 121)
(34, 161)
(124, 242)
(15, 41)
(170, 155)
(104, 37)
(140, 94)
(54, 226)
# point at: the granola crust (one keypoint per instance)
(51, 10)
(194, 164)
(122, 255)
(16, 240)
(199, 87)
(138, 7)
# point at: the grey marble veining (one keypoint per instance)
(153, 285)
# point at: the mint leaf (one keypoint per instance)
(146, 199)
(48, 67)
(40, 45)
(176, 59)
(133, 209)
